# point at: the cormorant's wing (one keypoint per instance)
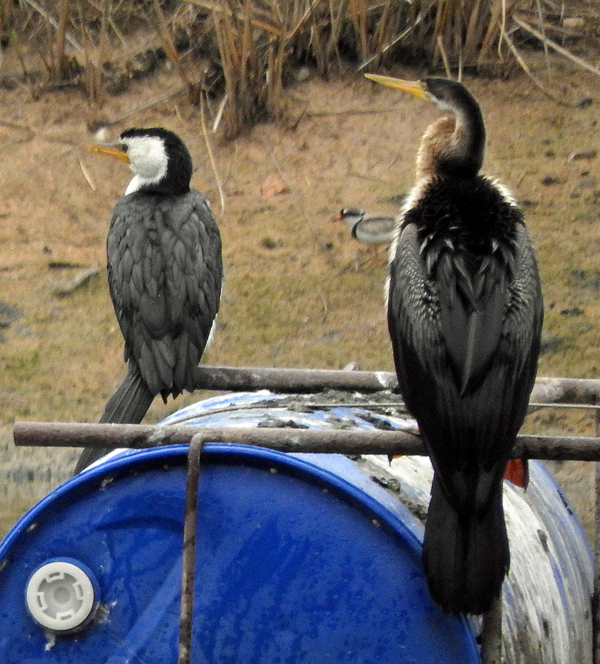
(165, 272)
(194, 281)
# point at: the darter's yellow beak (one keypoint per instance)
(110, 150)
(416, 88)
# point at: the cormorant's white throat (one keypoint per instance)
(148, 160)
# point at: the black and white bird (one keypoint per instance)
(465, 316)
(376, 232)
(165, 273)
(368, 230)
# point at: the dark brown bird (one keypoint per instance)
(164, 273)
(465, 315)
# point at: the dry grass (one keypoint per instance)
(248, 49)
(306, 306)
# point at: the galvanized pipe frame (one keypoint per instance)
(546, 391)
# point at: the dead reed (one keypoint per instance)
(247, 50)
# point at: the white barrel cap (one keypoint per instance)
(61, 595)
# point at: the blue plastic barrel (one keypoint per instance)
(300, 558)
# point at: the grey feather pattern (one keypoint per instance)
(165, 272)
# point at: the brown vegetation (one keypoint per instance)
(293, 295)
(248, 50)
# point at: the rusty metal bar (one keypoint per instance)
(566, 390)
(292, 380)
(546, 390)
(491, 635)
(189, 550)
(47, 434)
(54, 434)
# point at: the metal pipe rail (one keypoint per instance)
(138, 436)
(546, 390)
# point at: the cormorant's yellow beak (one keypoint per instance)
(416, 88)
(112, 151)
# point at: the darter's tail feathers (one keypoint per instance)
(465, 555)
(128, 405)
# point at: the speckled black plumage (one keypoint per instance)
(465, 315)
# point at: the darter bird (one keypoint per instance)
(165, 273)
(465, 316)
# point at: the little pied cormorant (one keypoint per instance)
(165, 273)
(465, 315)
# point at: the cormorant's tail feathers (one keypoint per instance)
(466, 556)
(131, 400)
(128, 405)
